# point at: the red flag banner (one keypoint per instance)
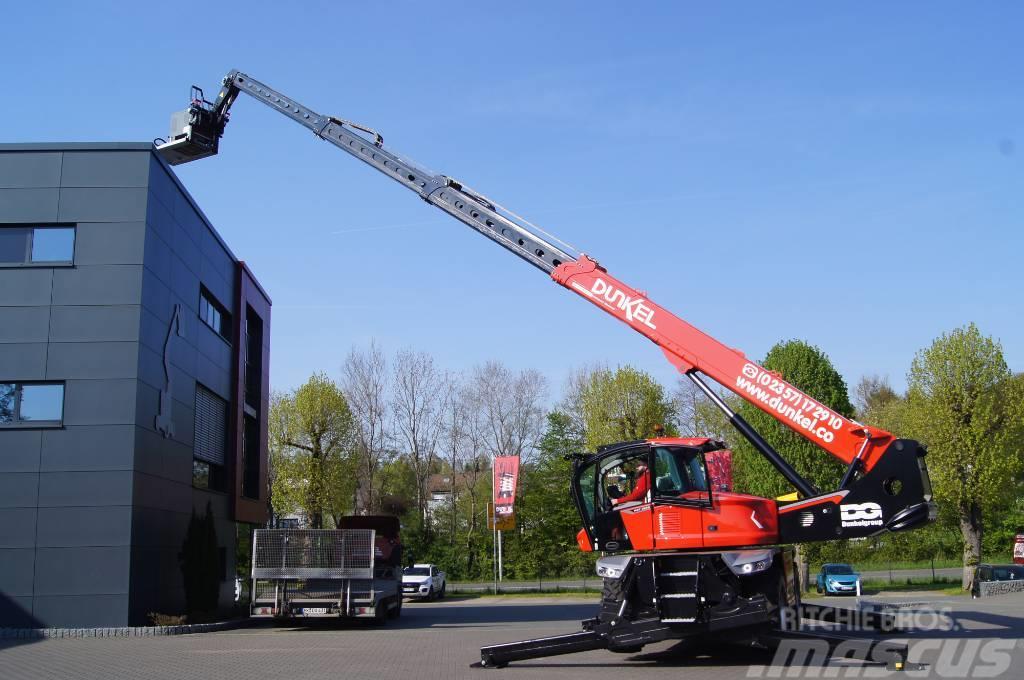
(506, 475)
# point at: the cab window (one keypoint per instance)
(623, 479)
(586, 492)
(679, 474)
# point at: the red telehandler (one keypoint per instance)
(681, 559)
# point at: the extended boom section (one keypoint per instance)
(196, 134)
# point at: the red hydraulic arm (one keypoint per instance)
(690, 349)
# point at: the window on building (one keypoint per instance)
(208, 476)
(37, 245)
(211, 426)
(251, 458)
(214, 314)
(253, 359)
(31, 404)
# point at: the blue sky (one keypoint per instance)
(845, 174)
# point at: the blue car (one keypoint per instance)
(838, 579)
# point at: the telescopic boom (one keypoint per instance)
(196, 134)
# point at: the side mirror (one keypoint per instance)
(615, 492)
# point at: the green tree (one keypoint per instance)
(6, 402)
(547, 517)
(809, 369)
(311, 434)
(622, 405)
(873, 394)
(966, 406)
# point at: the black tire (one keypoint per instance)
(444, 587)
(431, 595)
(396, 611)
(380, 614)
(819, 589)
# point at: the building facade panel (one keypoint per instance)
(108, 284)
(29, 205)
(81, 611)
(187, 252)
(99, 402)
(17, 527)
(81, 488)
(92, 448)
(23, 361)
(157, 255)
(94, 323)
(102, 205)
(17, 570)
(160, 456)
(29, 287)
(24, 324)
(21, 452)
(105, 169)
(110, 243)
(159, 493)
(19, 490)
(160, 218)
(81, 571)
(84, 527)
(95, 503)
(30, 170)
(92, 360)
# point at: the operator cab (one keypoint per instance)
(622, 489)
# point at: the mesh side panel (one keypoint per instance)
(313, 553)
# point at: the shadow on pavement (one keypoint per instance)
(13, 615)
(456, 615)
(1003, 627)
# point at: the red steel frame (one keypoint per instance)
(689, 349)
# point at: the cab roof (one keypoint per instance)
(680, 441)
(705, 443)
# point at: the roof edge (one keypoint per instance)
(76, 146)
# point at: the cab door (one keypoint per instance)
(614, 498)
(679, 498)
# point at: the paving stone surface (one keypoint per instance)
(441, 639)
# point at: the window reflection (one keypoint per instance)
(42, 402)
(53, 244)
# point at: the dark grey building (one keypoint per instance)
(134, 352)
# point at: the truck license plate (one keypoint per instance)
(314, 610)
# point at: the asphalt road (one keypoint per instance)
(441, 639)
(897, 576)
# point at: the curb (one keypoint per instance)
(123, 632)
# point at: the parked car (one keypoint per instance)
(837, 578)
(424, 581)
(996, 572)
